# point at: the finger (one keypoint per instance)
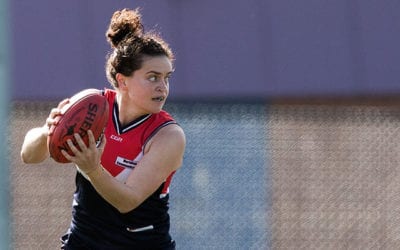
(71, 145)
(49, 123)
(55, 112)
(66, 155)
(80, 142)
(63, 103)
(92, 141)
(102, 144)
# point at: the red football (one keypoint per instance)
(86, 110)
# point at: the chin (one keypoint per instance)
(156, 110)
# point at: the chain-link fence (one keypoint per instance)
(335, 177)
(254, 177)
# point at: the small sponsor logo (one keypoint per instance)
(116, 138)
(120, 161)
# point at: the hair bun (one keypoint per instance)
(124, 24)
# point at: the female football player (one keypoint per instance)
(121, 198)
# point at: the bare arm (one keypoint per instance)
(34, 148)
(163, 155)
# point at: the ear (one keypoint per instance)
(120, 80)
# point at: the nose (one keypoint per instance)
(163, 85)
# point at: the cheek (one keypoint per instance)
(167, 86)
(139, 91)
(133, 92)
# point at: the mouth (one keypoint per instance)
(158, 99)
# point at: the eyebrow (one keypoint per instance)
(159, 73)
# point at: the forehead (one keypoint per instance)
(160, 64)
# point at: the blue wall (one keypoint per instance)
(235, 49)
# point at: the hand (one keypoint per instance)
(87, 158)
(51, 119)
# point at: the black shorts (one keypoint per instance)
(69, 241)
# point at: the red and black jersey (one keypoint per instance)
(97, 222)
(125, 145)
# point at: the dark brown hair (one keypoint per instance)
(130, 44)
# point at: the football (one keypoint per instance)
(86, 110)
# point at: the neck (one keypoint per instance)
(126, 113)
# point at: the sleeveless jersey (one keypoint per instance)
(98, 223)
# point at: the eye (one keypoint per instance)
(153, 78)
(167, 79)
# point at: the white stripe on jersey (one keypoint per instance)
(127, 170)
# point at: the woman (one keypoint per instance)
(121, 199)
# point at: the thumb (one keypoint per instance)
(102, 144)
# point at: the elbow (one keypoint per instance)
(24, 157)
(27, 160)
(30, 159)
(26, 154)
(127, 206)
(124, 209)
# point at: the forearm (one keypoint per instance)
(34, 148)
(118, 194)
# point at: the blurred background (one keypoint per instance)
(291, 111)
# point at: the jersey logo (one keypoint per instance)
(126, 163)
(116, 138)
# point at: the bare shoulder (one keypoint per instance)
(172, 130)
(171, 136)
